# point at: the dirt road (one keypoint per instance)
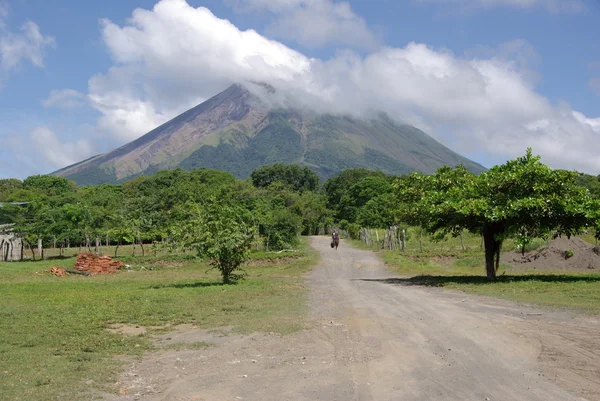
(373, 338)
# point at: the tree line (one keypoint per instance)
(222, 217)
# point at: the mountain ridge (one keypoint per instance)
(237, 131)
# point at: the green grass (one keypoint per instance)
(447, 264)
(52, 330)
(579, 291)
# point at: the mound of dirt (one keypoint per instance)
(94, 264)
(560, 254)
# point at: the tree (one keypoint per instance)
(7, 187)
(49, 185)
(337, 187)
(359, 194)
(520, 196)
(312, 209)
(592, 183)
(380, 211)
(219, 231)
(296, 177)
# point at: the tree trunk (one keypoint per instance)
(498, 255)
(421, 240)
(22, 251)
(142, 246)
(462, 243)
(40, 248)
(98, 246)
(117, 248)
(492, 248)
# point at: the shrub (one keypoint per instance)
(568, 254)
(353, 230)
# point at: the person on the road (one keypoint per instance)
(335, 239)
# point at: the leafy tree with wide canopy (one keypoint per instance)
(520, 196)
(219, 231)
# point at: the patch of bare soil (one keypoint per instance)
(129, 330)
(569, 351)
(585, 256)
(376, 338)
(443, 261)
(270, 261)
(190, 334)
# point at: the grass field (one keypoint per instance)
(447, 265)
(53, 342)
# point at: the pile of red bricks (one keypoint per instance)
(94, 264)
(57, 271)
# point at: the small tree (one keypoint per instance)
(219, 232)
(520, 196)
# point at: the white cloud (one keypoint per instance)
(553, 6)
(65, 99)
(28, 45)
(59, 154)
(313, 23)
(174, 56)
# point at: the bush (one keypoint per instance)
(569, 254)
(283, 230)
(353, 230)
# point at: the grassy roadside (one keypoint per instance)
(52, 330)
(447, 265)
(576, 290)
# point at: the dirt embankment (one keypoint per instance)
(560, 254)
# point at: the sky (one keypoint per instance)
(487, 78)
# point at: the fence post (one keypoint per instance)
(403, 240)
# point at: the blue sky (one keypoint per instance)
(485, 77)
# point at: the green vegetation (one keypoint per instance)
(522, 198)
(52, 332)
(222, 233)
(450, 267)
(592, 183)
(151, 211)
(176, 224)
(576, 290)
(296, 177)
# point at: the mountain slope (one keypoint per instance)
(236, 132)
